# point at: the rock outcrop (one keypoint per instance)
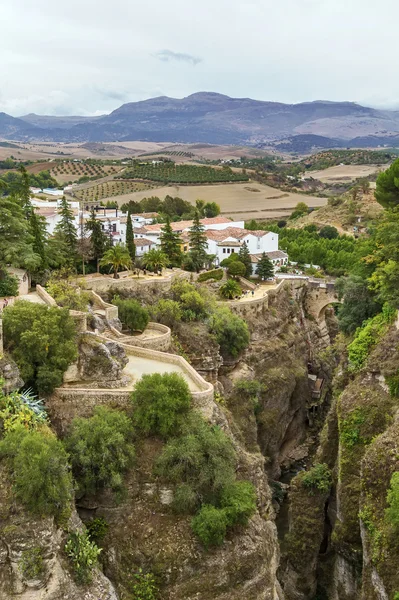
(10, 375)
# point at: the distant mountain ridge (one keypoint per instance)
(208, 117)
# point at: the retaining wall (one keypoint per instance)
(104, 284)
(111, 311)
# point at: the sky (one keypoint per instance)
(88, 57)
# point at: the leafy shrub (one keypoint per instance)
(83, 554)
(237, 269)
(167, 312)
(23, 409)
(367, 337)
(42, 341)
(68, 295)
(239, 502)
(203, 458)
(392, 512)
(216, 275)
(31, 564)
(132, 314)
(8, 285)
(42, 480)
(179, 287)
(251, 388)
(230, 331)
(161, 403)
(335, 201)
(231, 289)
(317, 478)
(210, 525)
(97, 529)
(393, 384)
(143, 586)
(329, 232)
(100, 449)
(194, 306)
(185, 499)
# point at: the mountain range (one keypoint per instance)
(212, 118)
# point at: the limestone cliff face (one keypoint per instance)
(10, 375)
(21, 534)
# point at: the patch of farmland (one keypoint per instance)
(65, 171)
(111, 189)
(235, 199)
(345, 172)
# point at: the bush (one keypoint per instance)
(83, 554)
(100, 449)
(203, 458)
(143, 586)
(97, 529)
(367, 337)
(8, 285)
(216, 275)
(167, 312)
(161, 404)
(68, 295)
(335, 201)
(194, 306)
(21, 409)
(329, 232)
(317, 478)
(231, 289)
(31, 564)
(230, 331)
(132, 314)
(392, 512)
(42, 341)
(42, 480)
(239, 502)
(237, 269)
(210, 525)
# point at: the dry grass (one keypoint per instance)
(346, 172)
(111, 189)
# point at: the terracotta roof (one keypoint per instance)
(230, 244)
(272, 255)
(142, 242)
(140, 230)
(182, 225)
(219, 235)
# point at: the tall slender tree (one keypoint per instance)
(97, 236)
(245, 258)
(265, 268)
(39, 232)
(66, 228)
(171, 243)
(23, 191)
(130, 245)
(198, 243)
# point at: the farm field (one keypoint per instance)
(238, 200)
(345, 172)
(111, 189)
(64, 171)
(174, 173)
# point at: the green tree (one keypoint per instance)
(100, 449)
(40, 238)
(167, 312)
(42, 479)
(8, 285)
(16, 241)
(161, 403)
(171, 244)
(245, 258)
(264, 268)
(231, 289)
(118, 258)
(239, 502)
(130, 245)
(236, 269)
(42, 341)
(359, 303)
(328, 232)
(198, 243)
(98, 238)
(131, 313)
(210, 525)
(155, 260)
(231, 332)
(66, 228)
(387, 191)
(211, 209)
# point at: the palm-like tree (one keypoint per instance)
(155, 260)
(230, 289)
(118, 257)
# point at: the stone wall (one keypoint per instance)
(110, 311)
(45, 296)
(102, 284)
(162, 341)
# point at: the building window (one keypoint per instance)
(224, 250)
(232, 250)
(142, 248)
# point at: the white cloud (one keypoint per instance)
(89, 57)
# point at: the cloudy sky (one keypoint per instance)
(90, 56)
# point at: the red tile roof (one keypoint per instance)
(142, 242)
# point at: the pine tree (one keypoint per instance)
(23, 191)
(130, 245)
(39, 232)
(171, 244)
(16, 241)
(265, 268)
(198, 243)
(245, 258)
(66, 228)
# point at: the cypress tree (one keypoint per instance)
(245, 258)
(130, 238)
(97, 236)
(39, 233)
(265, 268)
(171, 244)
(198, 243)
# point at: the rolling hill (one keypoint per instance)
(207, 117)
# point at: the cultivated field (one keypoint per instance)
(110, 189)
(64, 171)
(248, 200)
(345, 172)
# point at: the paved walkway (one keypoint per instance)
(259, 292)
(32, 297)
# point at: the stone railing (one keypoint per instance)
(45, 296)
(160, 341)
(103, 283)
(110, 310)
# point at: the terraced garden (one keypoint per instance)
(169, 172)
(111, 188)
